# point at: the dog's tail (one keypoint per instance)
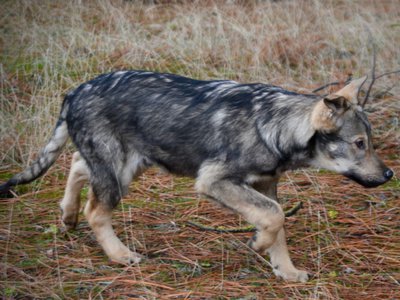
(47, 156)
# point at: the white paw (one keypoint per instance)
(69, 220)
(127, 258)
(292, 275)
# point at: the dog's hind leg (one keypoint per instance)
(70, 204)
(109, 179)
(278, 251)
(99, 216)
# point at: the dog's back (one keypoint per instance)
(177, 122)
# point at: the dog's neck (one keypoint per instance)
(284, 125)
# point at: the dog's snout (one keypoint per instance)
(388, 174)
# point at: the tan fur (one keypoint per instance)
(278, 251)
(350, 91)
(327, 119)
(268, 218)
(322, 118)
(281, 262)
(208, 174)
(99, 219)
(70, 204)
(98, 216)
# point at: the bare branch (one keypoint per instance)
(382, 75)
(381, 94)
(294, 209)
(325, 86)
(373, 78)
(249, 228)
(387, 73)
(349, 78)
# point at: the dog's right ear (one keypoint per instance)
(351, 90)
(327, 113)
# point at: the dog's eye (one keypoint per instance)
(360, 144)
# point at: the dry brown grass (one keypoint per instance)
(347, 235)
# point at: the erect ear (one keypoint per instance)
(327, 114)
(337, 104)
(350, 91)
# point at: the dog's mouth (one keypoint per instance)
(368, 182)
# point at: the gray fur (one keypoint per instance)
(180, 124)
(235, 139)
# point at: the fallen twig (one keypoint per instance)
(249, 228)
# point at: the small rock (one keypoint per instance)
(50, 253)
(349, 270)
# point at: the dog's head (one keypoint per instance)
(343, 141)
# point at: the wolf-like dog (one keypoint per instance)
(235, 139)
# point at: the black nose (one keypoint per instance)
(388, 174)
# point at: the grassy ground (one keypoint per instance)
(348, 236)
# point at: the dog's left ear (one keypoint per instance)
(350, 91)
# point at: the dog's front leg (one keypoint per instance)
(265, 213)
(279, 254)
(281, 262)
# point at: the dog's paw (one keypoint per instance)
(127, 258)
(69, 220)
(292, 275)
